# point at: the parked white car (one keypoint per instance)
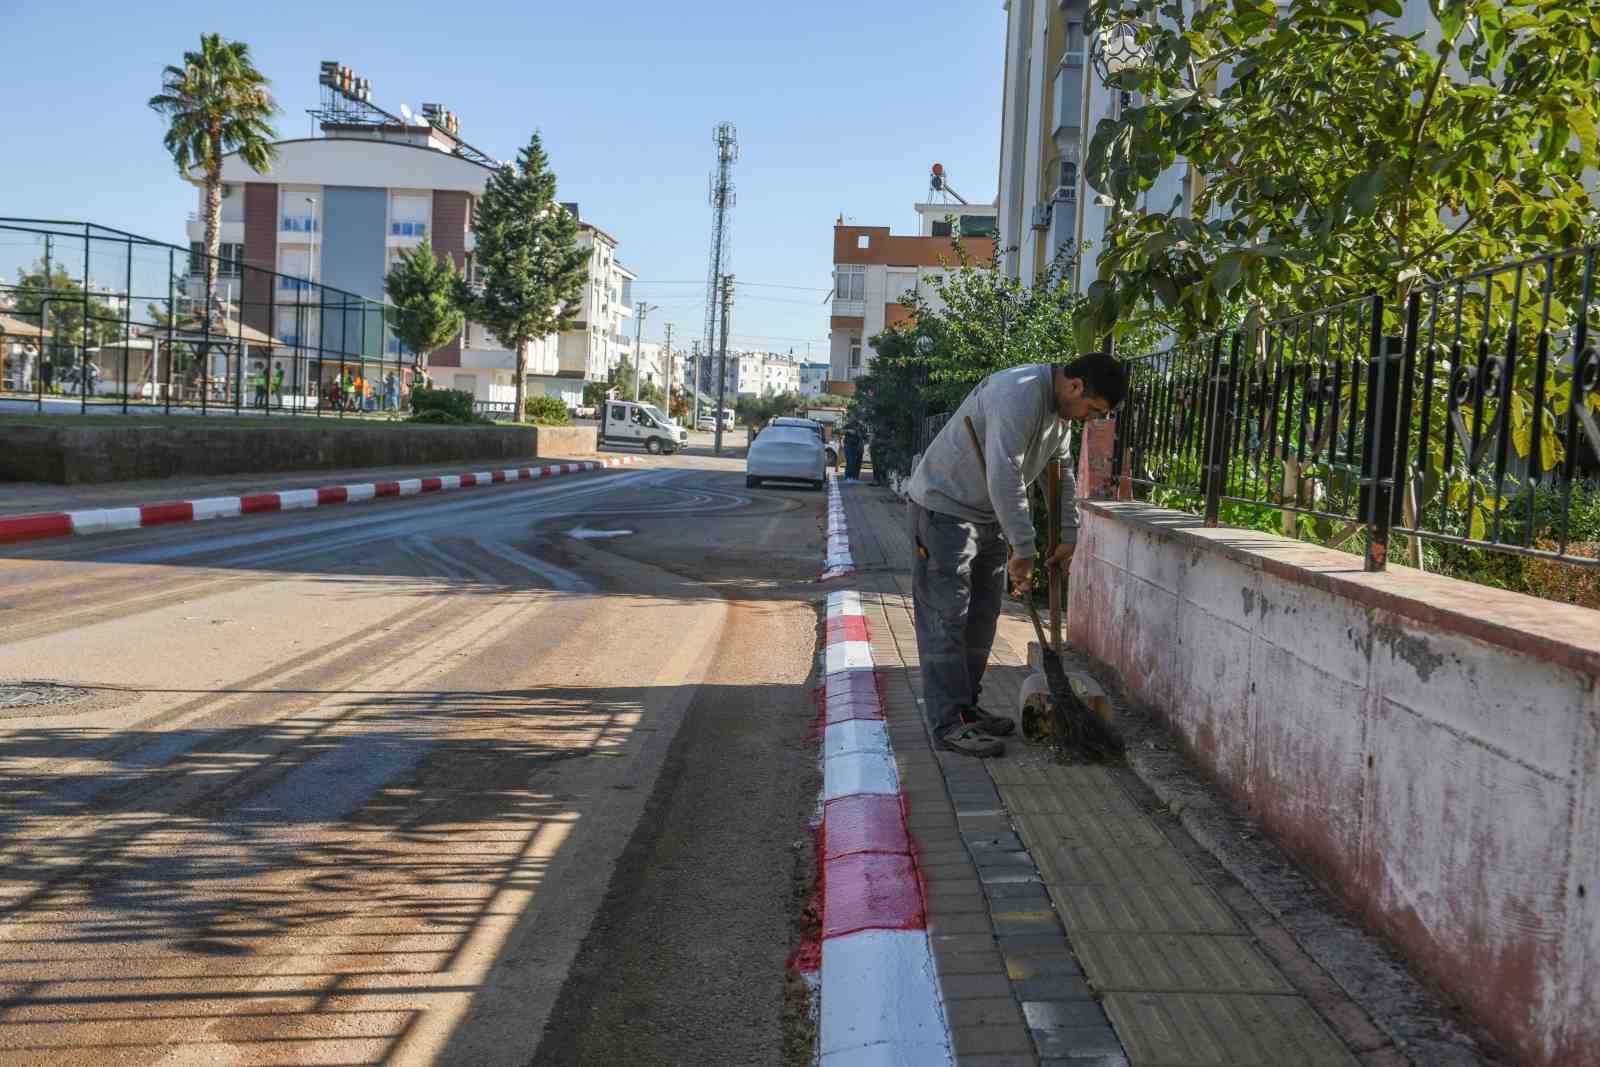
(830, 450)
(622, 422)
(786, 454)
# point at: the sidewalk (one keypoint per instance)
(1073, 920)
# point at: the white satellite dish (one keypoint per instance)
(405, 113)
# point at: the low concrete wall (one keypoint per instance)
(67, 455)
(1429, 748)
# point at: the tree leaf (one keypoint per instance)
(1363, 193)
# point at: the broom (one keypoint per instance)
(1077, 731)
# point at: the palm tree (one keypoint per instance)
(217, 102)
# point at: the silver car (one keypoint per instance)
(785, 453)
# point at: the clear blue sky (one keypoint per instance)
(841, 107)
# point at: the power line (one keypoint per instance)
(764, 285)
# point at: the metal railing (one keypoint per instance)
(97, 320)
(1467, 415)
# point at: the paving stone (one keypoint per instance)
(974, 986)
(984, 1011)
(1079, 1043)
(979, 841)
(977, 1040)
(1024, 895)
(1009, 876)
(1023, 921)
(985, 962)
(1004, 1059)
(1117, 1060)
(996, 858)
(965, 922)
(1232, 1030)
(1152, 909)
(976, 821)
(1023, 943)
(1023, 964)
(1053, 987)
(1062, 1014)
(953, 942)
(1176, 963)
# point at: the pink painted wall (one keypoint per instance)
(1428, 748)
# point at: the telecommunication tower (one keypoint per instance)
(722, 199)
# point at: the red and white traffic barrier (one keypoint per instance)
(15, 529)
(839, 562)
(880, 995)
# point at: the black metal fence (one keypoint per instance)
(1467, 415)
(96, 319)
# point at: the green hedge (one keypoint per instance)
(547, 411)
(445, 406)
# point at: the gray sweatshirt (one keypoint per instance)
(1014, 413)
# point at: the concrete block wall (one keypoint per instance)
(1428, 748)
(70, 455)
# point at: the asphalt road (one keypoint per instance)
(416, 781)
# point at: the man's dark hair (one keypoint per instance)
(1102, 374)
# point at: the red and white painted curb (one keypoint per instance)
(15, 529)
(839, 562)
(880, 994)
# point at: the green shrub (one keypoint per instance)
(547, 411)
(443, 406)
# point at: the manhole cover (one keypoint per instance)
(38, 696)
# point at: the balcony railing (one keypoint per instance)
(294, 285)
(298, 224)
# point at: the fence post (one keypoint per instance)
(1377, 447)
(1402, 484)
(1216, 427)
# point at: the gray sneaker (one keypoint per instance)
(970, 739)
(993, 725)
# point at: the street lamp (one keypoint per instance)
(1116, 51)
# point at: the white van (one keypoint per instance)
(622, 422)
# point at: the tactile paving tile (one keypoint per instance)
(1225, 1030)
(1053, 830)
(1176, 963)
(1177, 908)
(1114, 864)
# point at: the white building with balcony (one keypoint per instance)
(873, 269)
(339, 210)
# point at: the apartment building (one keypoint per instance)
(340, 209)
(1049, 102)
(813, 377)
(873, 268)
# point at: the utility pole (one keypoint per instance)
(694, 388)
(638, 350)
(722, 366)
(667, 358)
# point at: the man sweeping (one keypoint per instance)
(965, 508)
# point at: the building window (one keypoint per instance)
(855, 353)
(977, 226)
(230, 257)
(851, 283)
(863, 242)
(942, 229)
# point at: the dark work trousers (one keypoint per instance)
(958, 585)
(852, 458)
